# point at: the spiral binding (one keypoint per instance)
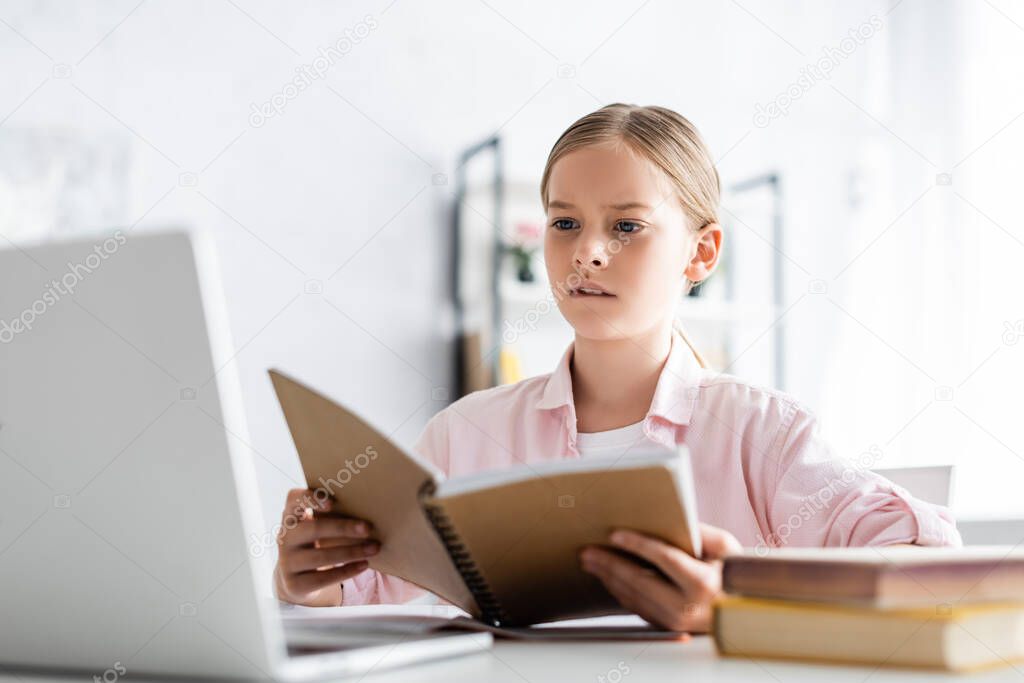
(490, 609)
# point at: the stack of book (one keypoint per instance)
(957, 609)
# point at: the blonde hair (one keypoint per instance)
(665, 138)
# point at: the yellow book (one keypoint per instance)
(944, 636)
(511, 368)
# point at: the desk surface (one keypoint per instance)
(625, 662)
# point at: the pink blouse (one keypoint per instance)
(760, 468)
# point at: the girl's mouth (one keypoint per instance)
(586, 292)
(589, 288)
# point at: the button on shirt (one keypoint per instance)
(760, 468)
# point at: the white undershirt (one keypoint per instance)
(613, 442)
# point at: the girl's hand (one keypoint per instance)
(681, 603)
(317, 550)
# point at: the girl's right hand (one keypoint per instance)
(317, 550)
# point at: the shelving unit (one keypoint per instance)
(748, 299)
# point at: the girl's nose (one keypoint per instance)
(594, 257)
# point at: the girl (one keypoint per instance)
(631, 196)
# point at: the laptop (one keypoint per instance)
(129, 496)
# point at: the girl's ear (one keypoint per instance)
(705, 253)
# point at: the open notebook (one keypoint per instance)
(502, 545)
(325, 627)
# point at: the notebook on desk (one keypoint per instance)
(314, 627)
(502, 545)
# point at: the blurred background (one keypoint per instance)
(370, 171)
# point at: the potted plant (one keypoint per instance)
(527, 236)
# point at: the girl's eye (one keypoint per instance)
(625, 227)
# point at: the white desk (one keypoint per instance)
(692, 661)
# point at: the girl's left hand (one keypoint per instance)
(682, 603)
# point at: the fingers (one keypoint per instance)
(319, 548)
(307, 519)
(308, 582)
(301, 503)
(641, 591)
(717, 543)
(684, 570)
(337, 542)
(686, 605)
(338, 530)
(310, 559)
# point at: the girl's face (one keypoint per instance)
(615, 223)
